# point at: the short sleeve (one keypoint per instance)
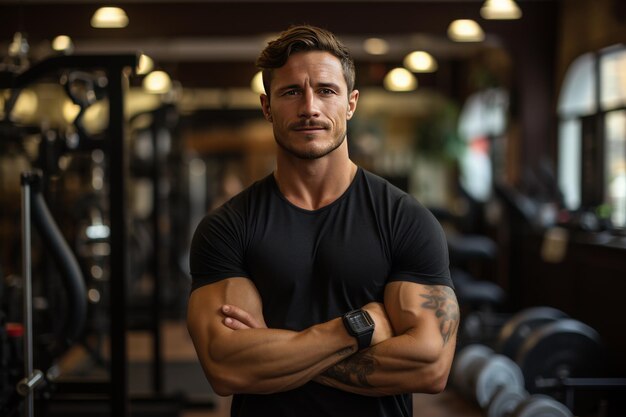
(419, 251)
(217, 248)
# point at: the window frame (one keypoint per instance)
(592, 164)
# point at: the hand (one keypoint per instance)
(238, 319)
(382, 329)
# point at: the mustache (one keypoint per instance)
(307, 124)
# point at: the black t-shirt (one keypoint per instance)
(312, 266)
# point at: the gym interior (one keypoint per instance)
(121, 128)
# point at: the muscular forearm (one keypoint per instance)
(273, 360)
(418, 359)
(398, 365)
(254, 359)
(289, 359)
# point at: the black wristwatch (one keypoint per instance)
(360, 325)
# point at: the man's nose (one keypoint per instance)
(309, 104)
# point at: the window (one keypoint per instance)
(592, 134)
(615, 166)
(482, 126)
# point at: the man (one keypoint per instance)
(321, 290)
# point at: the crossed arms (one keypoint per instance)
(412, 347)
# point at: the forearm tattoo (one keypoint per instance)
(353, 371)
(442, 300)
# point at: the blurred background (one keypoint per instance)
(122, 124)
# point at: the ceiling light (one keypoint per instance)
(19, 47)
(63, 43)
(257, 83)
(145, 65)
(70, 111)
(157, 82)
(400, 79)
(376, 46)
(465, 30)
(500, 10)
(420, 61)
(96, 117)
(26, 105)
(109, 17)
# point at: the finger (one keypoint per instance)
(234, 324)
(240, 315)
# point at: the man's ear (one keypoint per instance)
(265, 106)
(353, 98)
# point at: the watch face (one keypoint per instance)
(360, 322)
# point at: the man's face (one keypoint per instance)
(310, 104)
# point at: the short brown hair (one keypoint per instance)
(303, 38)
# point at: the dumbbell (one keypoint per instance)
(506, 400)
(566, 348)
(516, 402)
(546, 343)
(505, 332)
(496, 384)
(478, 372)
(519, 327)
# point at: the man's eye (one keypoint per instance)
(327, 91)
(291, 92)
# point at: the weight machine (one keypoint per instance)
(115, 71)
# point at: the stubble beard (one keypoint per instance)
(313, 154)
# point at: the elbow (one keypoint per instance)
(431, 375)
(432, 379)
(222, 389)
(225, 383)
(437, 383)
(438, 373)
(224, 380)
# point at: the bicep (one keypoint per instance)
(429, 313)
(204, 316)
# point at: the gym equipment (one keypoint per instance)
(66, 262)
(35, 210)
(481, 327)
(113, 68)
(495, 372)
(84, 89)
(548, 345)
(32, 377)
(541, 406)
(468, 251)
(503, 331)
(496, 384)
(505, 401)
(611, 392)
(519, 327)
(516, 402)
(478, 295)
(479, 372)
(565, 348)
(466, 248)
(460, 373)
(558, 356)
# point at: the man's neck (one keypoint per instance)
(314, 184)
